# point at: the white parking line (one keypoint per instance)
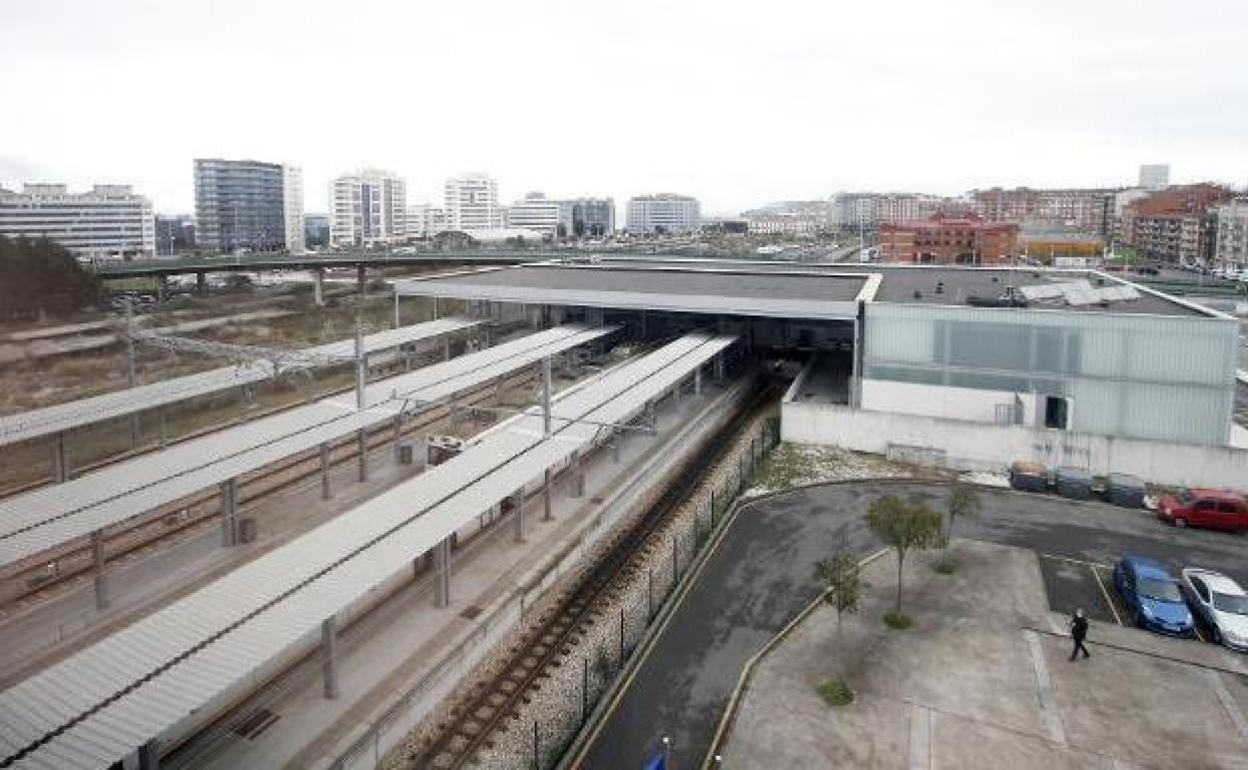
(1048, 703)
(1228, 703)
(1108, 599)
(1084, 562)
(920, 737)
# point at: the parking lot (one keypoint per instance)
(1072, 584)
(760, 577)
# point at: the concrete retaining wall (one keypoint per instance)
(978, 446)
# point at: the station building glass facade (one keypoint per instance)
(1162, 378)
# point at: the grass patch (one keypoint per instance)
(945, 567)
(835, 692)
(899, 621)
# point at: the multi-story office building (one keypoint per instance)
(425, 220)
(244, 204)
(174, 234)
(1176, 224)
(535, 213)
(1155, 176)
(367, 208)
(110, 221)
(587, 217)
(1085, 210)
(948, 241)
(1231, 247)
(316, 229)
(472, 203)
(663, 213)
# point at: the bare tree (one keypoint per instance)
(904, 525)
(842, 583)
(963, 500)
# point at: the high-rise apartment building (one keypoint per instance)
(244, 204)
(110, 221)
(536, 213)
(367, 208)
(663, 213)
(1155, 176)
(1176, 224)
(1231, 247)
(292, 209)
(425, 220)
(472, 203)
(1085, 210)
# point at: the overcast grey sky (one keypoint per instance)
(738, 103)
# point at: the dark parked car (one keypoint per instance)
(1152, 597)
(1210, 508)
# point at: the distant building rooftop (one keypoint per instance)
(769, 288)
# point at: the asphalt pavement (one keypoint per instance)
(762, 574)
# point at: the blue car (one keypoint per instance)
(1152, 597)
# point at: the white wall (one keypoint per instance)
(978, 446)
(942, 401)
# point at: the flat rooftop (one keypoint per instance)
(771, 288)
(697, 287)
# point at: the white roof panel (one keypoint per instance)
(367, 544)
(49, 516)
(63, 417)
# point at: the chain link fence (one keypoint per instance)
(557, 707)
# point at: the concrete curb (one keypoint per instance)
(575, 753)
(747, 671)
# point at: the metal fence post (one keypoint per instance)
(649, 594)
(584, 689)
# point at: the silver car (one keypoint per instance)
(1220, 603)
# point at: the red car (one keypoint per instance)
(1210, 508)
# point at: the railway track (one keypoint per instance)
(558, 630)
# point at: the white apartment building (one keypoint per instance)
(1231, 247)
(292, 209)
(366, 208)
(536, 213)
(663, 213)
(1155, 176)
(425, 220)
(109, 222)
(472, 203)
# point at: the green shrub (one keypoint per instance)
(835, 692)
(898, 620)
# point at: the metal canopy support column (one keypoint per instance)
(60, 460)
(319, 285)
(719, 367)
(329, 655)
(396, 306)
(517, 517)
(697, 381)
(446, 348)
(442, 573)
(164, 426)
(617, 439)
(325, 493)
(229, 512)
(201, 284)
(359, 277)
(131, 372)
(547, 514)
(149, 756)
(398, 437)
(97, 559)
(578, 478)
(361, 366)
(361, 438)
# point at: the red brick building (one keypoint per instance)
(1176, 224)
(949, 241)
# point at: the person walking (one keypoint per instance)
(1079, 632)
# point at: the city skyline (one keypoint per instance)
(809, 104)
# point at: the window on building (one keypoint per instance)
(1056, 412)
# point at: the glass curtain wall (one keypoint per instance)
(1165, 378)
